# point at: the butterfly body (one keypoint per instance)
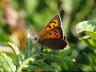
(52, 35)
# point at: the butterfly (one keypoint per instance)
(52, 35)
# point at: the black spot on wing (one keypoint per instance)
(56, 35)
(49, 26)
(50, 33)
(53, 25)
(54, 22)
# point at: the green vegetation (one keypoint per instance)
(21, 20)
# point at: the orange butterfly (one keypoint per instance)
(52, 35)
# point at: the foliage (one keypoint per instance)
(87, 32)
(78, 23)
(6, 63)
(39, 60)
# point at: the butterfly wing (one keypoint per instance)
(54, 23)
(53, 39)
(52, 35)
(53, 43)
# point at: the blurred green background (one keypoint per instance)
(36, 14)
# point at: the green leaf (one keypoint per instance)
(24, 64)
(42, 66)
(86, 26)
(29, 44)
(4, 37)
(87, 31)
(15, 48)
(16, 51)
(6, 63)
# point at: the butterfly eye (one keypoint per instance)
(35, 38)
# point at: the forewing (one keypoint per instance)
(53, 29)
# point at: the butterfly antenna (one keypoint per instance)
(62, 12)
